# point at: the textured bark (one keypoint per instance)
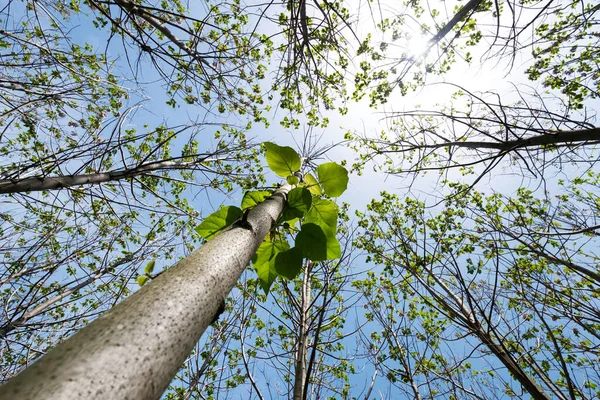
(134, 350)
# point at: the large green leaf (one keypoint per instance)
(264, 262)
(317, 243)
(299, 201)
(325, 210)
(219, 220)
(334, 178)
(282, 160)
(289, 263)
(253, 198)
(312, 184)
(328, 229)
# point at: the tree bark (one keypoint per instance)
(550, 138)
(134, 350)
(34, 183)
(302, 351)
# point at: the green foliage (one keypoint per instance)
(324, 210)
(251, 199)
(333, 178)
(317, 242)
(284, 161)
(292, 180)
(149, 267)
(218, 221)
(265, 260)
(288, 263)
(148, 270)
(299, 201)
(312, 185)
(315, 239)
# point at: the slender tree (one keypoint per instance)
(134, 350)
(120, 356)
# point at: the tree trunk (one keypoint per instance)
(134, 350)
(302, 350)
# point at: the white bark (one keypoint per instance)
(300, 378)
(35, 183)
(134, 350)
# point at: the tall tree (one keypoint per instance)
(119, 355)
(135, 349)
(478, 296)
(95, 181)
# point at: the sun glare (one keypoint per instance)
(417, 46)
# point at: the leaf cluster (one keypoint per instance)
(309, 216)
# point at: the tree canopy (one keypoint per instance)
(134, 131)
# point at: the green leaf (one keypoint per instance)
(312, 184)
(282, 160)
(288, 264)
(149, 267)
(324, 210)
(327, 229)
(219, 220)
(292, 180)
(265, 262)
(299, 201)
(333, 178)
(317, 244)
(253, 198)
(142, 279)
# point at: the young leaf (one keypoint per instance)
(265, 262)
(292, 180)
(289, 263)
(312, 185)
(142, 279)
(316, 244)
(333, 178)
(325, 210)
(219, 220)
(299, 201)
(282, 160)
(253, 198)
(149, 267)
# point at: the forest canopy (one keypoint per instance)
(438, 161)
